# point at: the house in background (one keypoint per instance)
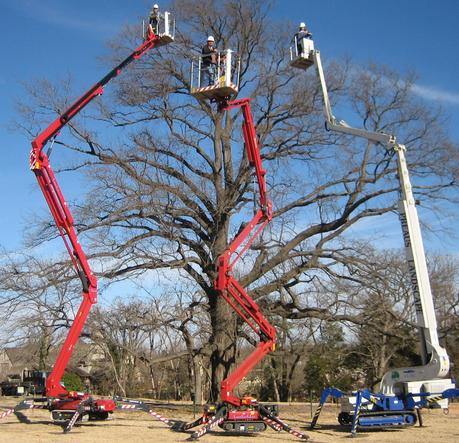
(88, 361)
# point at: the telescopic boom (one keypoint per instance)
(434, 357)
(40, 165)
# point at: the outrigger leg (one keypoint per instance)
(213, 416)
(128, 404)
(79, 412)
(419, 414)
(214, 421)
(181, 426)
(328, 392)
(279, 425)
(355, 421)
(24, 404)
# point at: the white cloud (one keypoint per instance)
(435, 94)
(425, 92)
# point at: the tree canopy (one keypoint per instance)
(170, 184)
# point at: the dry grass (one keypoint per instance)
(137, 427)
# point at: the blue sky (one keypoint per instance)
(52, 39)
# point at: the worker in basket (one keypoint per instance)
(154, 19)
(299, 37)
(222, 70)
(209, 61)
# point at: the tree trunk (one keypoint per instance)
(44, 349)
(223, 342)
(152, 382)
(276, 387)
(198, 373)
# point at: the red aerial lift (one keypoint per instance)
(68, 407)
(243, 415)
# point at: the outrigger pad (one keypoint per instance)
(178, 426)
(182, 426)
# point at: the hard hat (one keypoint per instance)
(210, 39)
(302, 25)
(155, 6)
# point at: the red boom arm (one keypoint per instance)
(226, 285)
(39, 163)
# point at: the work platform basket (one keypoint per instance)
(225, 81)
(165, 31)
(301, 53)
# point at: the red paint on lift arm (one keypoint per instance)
(39, 163)
(225, 284)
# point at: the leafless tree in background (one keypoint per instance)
(170, 183)
(444, 271)
(36, 303)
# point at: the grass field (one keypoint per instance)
(138, 427)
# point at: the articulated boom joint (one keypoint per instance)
(267, 209)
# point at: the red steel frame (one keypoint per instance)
(226, 285)
(39, 163)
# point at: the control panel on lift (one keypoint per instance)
(218, 81)
(301, 53)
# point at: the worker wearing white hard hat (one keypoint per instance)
(209, 61)
(155, 18)
(299, 39)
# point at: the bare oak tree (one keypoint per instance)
(170, 183)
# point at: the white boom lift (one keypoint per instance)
(432, 375)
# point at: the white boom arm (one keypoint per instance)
(434, 357)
